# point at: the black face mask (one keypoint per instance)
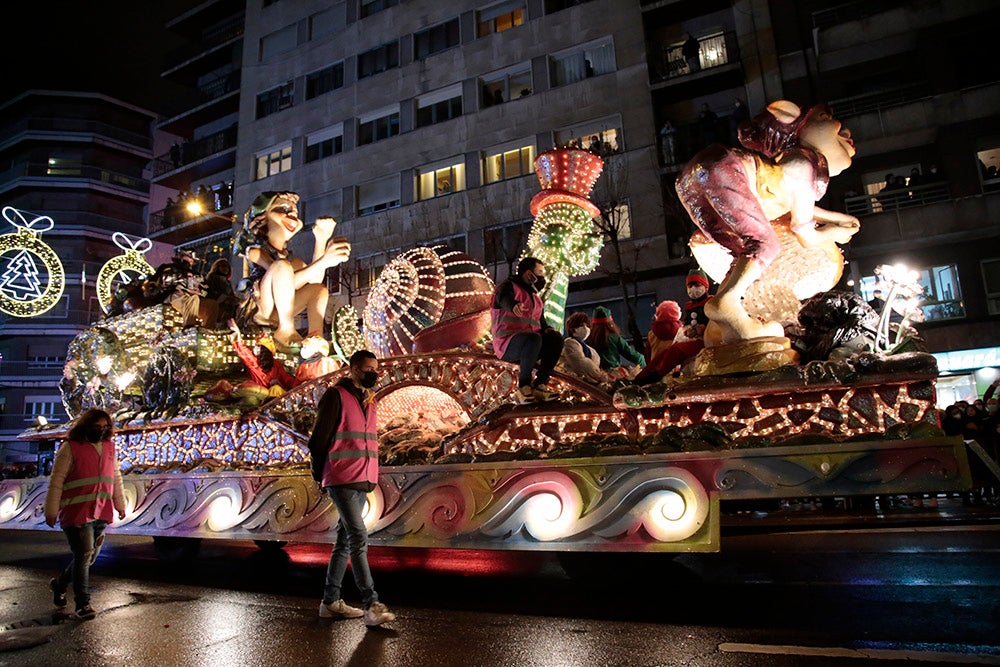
(539, 283)
(368, 379)
(96, 435)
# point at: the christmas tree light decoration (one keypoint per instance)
(123, 269)
(346, 337)
(21, 286)
(563, 235)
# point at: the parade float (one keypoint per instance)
(837, 406)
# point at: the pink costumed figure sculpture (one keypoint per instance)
(740, 197)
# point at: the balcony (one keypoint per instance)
(852, 11)
(717, 51)
(208, 45)
(71, 176)
(891, 200)
(60, 127)
(196, 159)
(212, 100)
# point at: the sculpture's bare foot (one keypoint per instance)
(287, 338)
(723, 332)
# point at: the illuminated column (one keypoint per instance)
(563, 236)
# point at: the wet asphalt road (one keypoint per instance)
(920, 594)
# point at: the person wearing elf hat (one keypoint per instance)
(283, 285)
(618, 357)
(695, 320)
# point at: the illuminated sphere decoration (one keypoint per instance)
(123, 269)
(32, 278)
(436, 296)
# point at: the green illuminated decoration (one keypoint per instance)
(24, 290)
(123, 269)
(563, 235)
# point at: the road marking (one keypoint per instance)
(864, 654)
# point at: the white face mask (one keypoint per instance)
(581, 333)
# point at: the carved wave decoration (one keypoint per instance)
(22, 505)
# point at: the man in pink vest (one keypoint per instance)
(344, 451)
(84, 491)
(520, 333)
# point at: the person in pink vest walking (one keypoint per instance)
(85, 490)
(520, 333)
(344, 458)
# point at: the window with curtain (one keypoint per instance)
(582, 63)
(435, 181)
(500, 17)
(499, 165)
(273, 161)
(509, 84)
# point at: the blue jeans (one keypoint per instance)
(85, 542)
(530, 350)
(352, 542)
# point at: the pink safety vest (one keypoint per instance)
(353, 453)
(88, 492)
(504, 323)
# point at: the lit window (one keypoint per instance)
(273, 161)
(437, 181)
(325, 143)
(378, 125)
(941, 298)
(439, 106)
(500, 17)
(510, 163)
(582, 63)
(989, 168)
(600, 136)
(63, 163)
(509, 84)
(378, 195)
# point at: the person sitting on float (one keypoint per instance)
(282, 284)
(667, 345)
(268, 376)
(618, 358)
(578, 358)
(735, 195)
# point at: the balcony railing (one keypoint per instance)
(193, 151)
(76, 126)
(714, 51)
(211, 37)
(890, 200)
(878, 101)
(852, 11)
(42, 170)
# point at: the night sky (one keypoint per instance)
(114, 47)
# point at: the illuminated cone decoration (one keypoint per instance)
(563, 235)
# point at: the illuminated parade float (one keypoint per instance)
(759, 414)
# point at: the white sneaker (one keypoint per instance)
(339, 609)
(377, 614)
(525, 395)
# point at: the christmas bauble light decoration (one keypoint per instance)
(563, 235)
(24, 290)
(123, 269)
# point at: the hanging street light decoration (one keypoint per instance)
(123, 269)
(24, 290)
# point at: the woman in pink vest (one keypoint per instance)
(85, 489)
(520, 333)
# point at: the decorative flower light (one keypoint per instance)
(123, 268)
(22, 293)
(901, 286)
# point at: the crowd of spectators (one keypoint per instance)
(978, 420)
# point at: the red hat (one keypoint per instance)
(697, 276)
(668, 310)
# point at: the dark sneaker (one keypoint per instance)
(377, 614)
(85, 612)
(58, 593)
(339, 609)
(542, 392)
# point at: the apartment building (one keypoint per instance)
(78, 159)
